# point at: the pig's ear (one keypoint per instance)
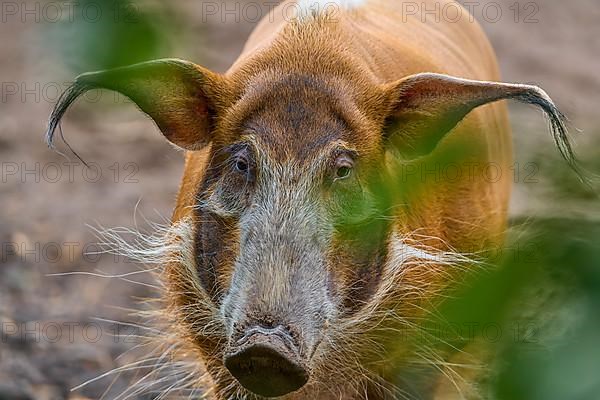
(182, 98)
(425, 107)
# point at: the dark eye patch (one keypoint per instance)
(229, 181)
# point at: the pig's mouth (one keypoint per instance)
(266, 361)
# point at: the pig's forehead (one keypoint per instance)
(284, 139)
(295, 119)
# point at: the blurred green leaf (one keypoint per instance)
(102, 34)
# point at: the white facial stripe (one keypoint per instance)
(403, 253)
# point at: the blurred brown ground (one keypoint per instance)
(44, 219)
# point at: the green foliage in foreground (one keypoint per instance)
(546, 301)
(102, 34)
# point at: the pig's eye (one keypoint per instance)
(240, 161)
(344, 168)
(241, 165)
(343, 172)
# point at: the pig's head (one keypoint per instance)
(302, 257)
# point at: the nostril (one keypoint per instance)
(267, 363)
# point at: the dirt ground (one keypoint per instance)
(58, 331)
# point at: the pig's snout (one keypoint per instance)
(267, 362)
